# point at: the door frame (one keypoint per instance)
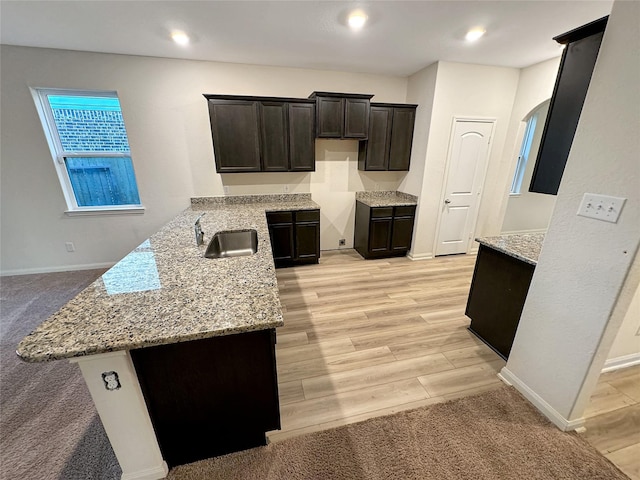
(443, 189)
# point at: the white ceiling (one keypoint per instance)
(401, 37)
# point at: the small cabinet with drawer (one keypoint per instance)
(383, 231)
(342, 115)
(295, 237)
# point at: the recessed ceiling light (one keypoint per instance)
(180, 38)
(357, 19)
(474, 34)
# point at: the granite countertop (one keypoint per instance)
(386, 199)
(525, 247)
(165, 291)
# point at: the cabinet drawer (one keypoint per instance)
(405, 211)
(307, 216)
(381, 212)
(279, 217)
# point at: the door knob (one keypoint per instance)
(447, 201)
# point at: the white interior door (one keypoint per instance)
(468, 155)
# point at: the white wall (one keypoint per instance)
(460, 90)
(332, 186)
(626, 346)
(588, 270)
(421, 91)
(529, 211)
(168, 126)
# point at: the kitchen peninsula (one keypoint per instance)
(501, 280)
(167, 331)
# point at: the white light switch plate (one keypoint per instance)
(601, 207)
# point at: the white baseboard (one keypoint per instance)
(621, 362)
(420, 256)
(547, 410)
(65, 268)
(156, 473)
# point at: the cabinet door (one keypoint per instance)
(379, 234)
(302, 141)
(576, 67)
(402, 232)
(307, 242)
(330, 117)
(236, 140)
(281, 235)
(401, 138)
(356, 118)
(496, 299)
(227, 385)
(274, 136)
(376, 148)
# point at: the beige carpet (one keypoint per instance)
(496, 435)
(49, 428)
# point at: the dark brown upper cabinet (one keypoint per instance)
(302, 140)
(262, 134)
(236, 135)
(342, 115)
(572, 82)
(274, 136)
(389, 140)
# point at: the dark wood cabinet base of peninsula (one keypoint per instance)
(210, 397)
(496, 299)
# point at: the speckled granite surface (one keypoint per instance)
(165, 291)
(245, 199)
(525, 247)
(386, 199)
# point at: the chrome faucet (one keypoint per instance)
(198, 230)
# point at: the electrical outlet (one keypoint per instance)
(286, 189)
(342, 242)
(601, 207)
(376, 187)
(226, 190)
(70, 247)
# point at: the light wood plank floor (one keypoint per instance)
(613, 419)
(369, 338)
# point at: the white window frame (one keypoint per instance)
(523, 156)
(58, 153)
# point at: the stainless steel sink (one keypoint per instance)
(232, 243)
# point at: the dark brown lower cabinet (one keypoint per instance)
(210, 397)
(295, 237)
(281, 234)
(496, 299)
(383, 231)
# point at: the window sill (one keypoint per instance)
(105, 211)
(515, 194)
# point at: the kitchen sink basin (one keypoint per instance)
(232, 243)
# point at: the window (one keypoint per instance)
(523, 156)
(90, 148)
